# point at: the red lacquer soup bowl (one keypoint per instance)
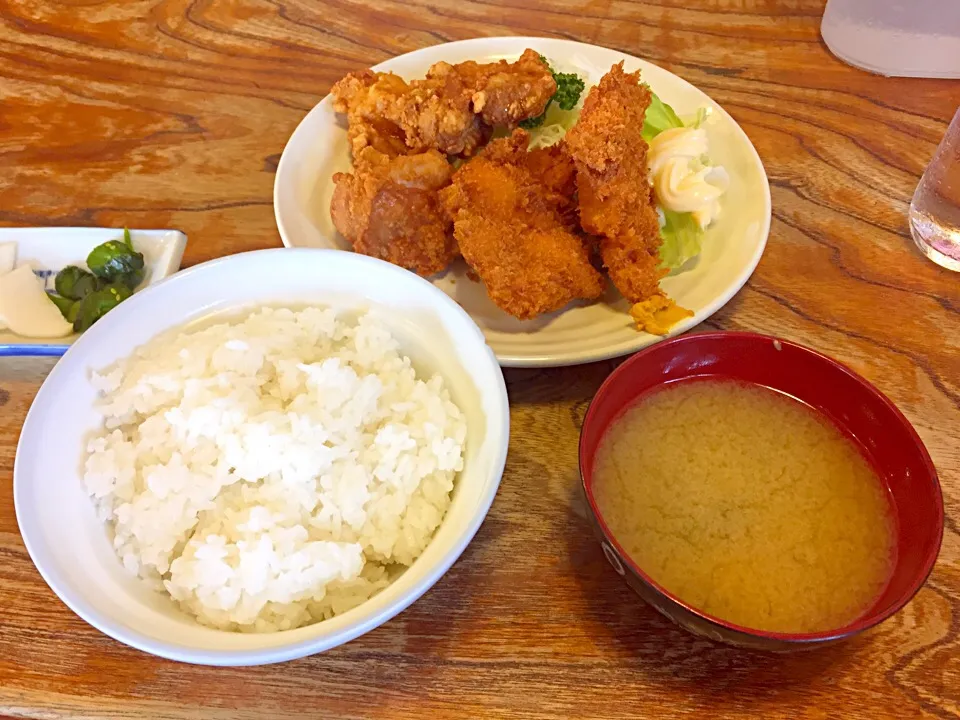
(860, 410)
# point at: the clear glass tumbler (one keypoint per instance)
(935, 209)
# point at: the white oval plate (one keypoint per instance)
(579, 333)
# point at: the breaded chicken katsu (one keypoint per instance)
(388, 209)
(510, 229)
(551, 166)
(615, 197)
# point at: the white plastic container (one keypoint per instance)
(50, 249)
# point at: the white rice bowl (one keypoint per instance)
(73, 549)
(274, 471)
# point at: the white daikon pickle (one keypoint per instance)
(25, 308)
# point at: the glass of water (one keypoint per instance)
(935, 210)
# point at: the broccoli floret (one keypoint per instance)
(534, 122)
(569, 88)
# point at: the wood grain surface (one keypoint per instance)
(173, 113)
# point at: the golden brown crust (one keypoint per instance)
(436, 112)
(453, 109)
(511, 232)
(507, 93)
(388, 208)
(365, 98)
(551, 166)
(615, 197)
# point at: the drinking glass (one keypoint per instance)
(935, 209)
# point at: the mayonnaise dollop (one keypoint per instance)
(682, 180)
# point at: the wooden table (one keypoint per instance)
(173, 113)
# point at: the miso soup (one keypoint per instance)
(747, 505)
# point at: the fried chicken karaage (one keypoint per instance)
(453, 109)
(615, 197)
(365, 97)
(510, 229)
(388, 208)
(505, 93)
(437, 112)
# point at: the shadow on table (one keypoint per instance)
(576, 383)
(669, 655)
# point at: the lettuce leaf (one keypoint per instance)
(659, 117)
(681, 239)
(680, 232)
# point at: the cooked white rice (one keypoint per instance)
(275, 471)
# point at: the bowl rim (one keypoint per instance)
(316, 637)
(861, 623)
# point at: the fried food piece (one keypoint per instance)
(511, 233)
(388, 208)
(367, 93)
(453, 109)
(365, 97)
(615, 196)
(507, 93)
(437, 112)
(381, 135)
(551, 166)
(556, 171)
